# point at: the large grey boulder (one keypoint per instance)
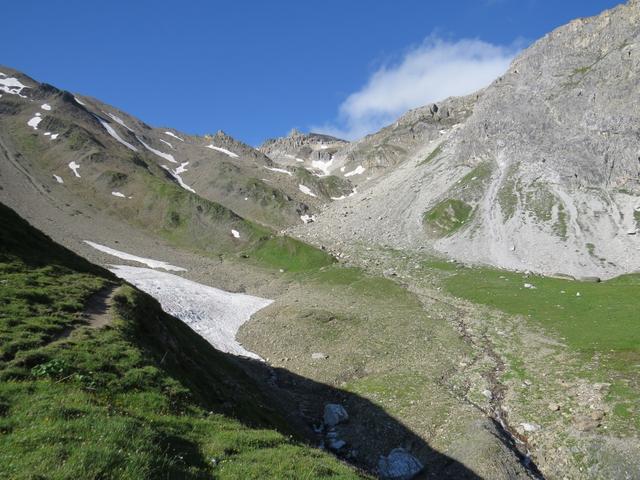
(399, 465)
(334, 414)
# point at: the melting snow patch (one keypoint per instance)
(134, 258)
(164, 141)
(182, 168)
(46, 134)
(176, 174)
(118, 194)
(235, 233)
(357, 171)
(288, 155)
(115, 135)
(117, 119)
(166, 156)
(322, 166)
(58, 179)
(280, 170)
(54, 136)
(306, 190)
(223, 150)
(528, 285)
(171, 134)
(45, 106)
(214, 314)
(80, 102)
(308, 218)
(12, 85)
(74, 166)
(33, 123)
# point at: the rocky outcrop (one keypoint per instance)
(312, 150)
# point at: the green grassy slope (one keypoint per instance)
(144, 397)
(596, 320)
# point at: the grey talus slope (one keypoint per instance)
(540, 172)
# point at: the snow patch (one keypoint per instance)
(308, 218)
(164, 141)
(235, 233)
(166, 156)
(12, 85)
(33, 123)
(171, 134)
(118, 194)
(280, 170)
(214, 314)
(74, 166)
(223, 150)
(80, 102)
(134, 258)
(117, 119)
(306, 190)
(45, 106)
(322, 166)
(58, 179)
(54, 136)
(288, 155)
(176, 174)
(110, 130)
(357, 171)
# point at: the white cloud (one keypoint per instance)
(433, 71)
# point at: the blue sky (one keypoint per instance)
(256, 69)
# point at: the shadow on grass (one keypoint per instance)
(261, 396)
(247, 390)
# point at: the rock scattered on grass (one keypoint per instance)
(399, 465)
(334, 414)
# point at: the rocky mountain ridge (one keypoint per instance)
(539, 171)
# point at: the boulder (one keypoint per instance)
(334, 414)
(337, 445)
(529, 427)
(399, 465)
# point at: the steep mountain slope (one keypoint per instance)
(538, 171)
(375, 154)
(83, 137)
(141, 396)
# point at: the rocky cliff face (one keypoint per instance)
(538, 171)
(310, 150)
(378, 152)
